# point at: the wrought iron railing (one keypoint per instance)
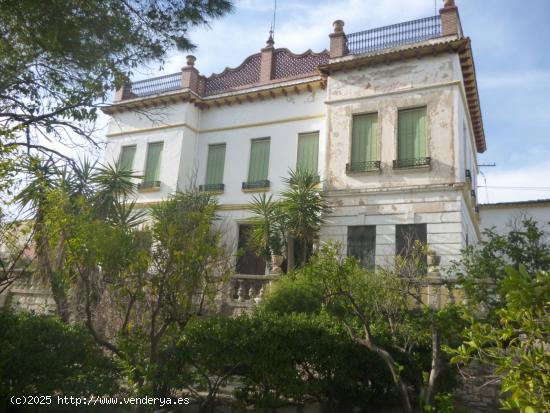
(411, 162)
(362, 166)
(397, 34)
(211, 187)
(149, 184)
(256, 184)
(153, 86)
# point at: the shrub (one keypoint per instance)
(39, 355)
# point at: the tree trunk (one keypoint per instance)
(46, 271)
(290, 264)
(436, 368)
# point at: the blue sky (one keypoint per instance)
(512, 56)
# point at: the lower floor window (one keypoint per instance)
(362, 244)
(407, 238)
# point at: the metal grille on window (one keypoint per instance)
(362, 244)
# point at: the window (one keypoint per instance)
(406, 237)
(362, 244)
(412, 138)
(214, 167)
(259, 164)
(248, 262)
(152, 165)
(126, 159)
(308, 152)
(364, 143)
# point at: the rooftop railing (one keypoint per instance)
(395, 35)
(154, 86)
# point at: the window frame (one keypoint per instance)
(147, 158)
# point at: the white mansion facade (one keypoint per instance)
(389, 117)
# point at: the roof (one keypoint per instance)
(533, 202)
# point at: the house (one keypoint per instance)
(504, 217)
(389, 117)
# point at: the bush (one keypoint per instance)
(39, 355)
(275, 358)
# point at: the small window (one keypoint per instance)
(215, 165)
(406, 236)
(126, 158)
(412, 135)
(362, 244)
(152, 165)
(364, 140)
(308, 152)
(259, 162)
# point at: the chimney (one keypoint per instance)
(190, 75)
(338, 40)
(267, 61)
(123, 92)
(450, 21)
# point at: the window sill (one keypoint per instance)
(263, 189)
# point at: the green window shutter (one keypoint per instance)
(308, 152)
(364, 138)
(259, 160)
(152, 166)
(215, 164)
(126, 160)
(412, 134)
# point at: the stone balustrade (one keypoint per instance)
(244, 291)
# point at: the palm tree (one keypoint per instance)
(107, 188)
(305, 207)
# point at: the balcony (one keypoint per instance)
(153, 86)
(412, 163)
(414, 31)
(216, 188)
(256, 185)
(358, 167)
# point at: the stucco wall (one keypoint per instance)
(187, 132)
(385, 89)
(439, 209)
(504, 218)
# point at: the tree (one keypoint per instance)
(507, 313)
(60, 59)
(296, 217)
(40, 356)
(383, 311)
(139, 286)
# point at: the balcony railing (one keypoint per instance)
(256, 184)
(395, 35)
(411, 162)
(211, 187)
(153, 86)
(149, 185)
(367, 166)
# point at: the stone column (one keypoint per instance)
(338, 40)
(450, 20)
(190, 75)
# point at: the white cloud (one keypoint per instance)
(520, 184)
(299, 26)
